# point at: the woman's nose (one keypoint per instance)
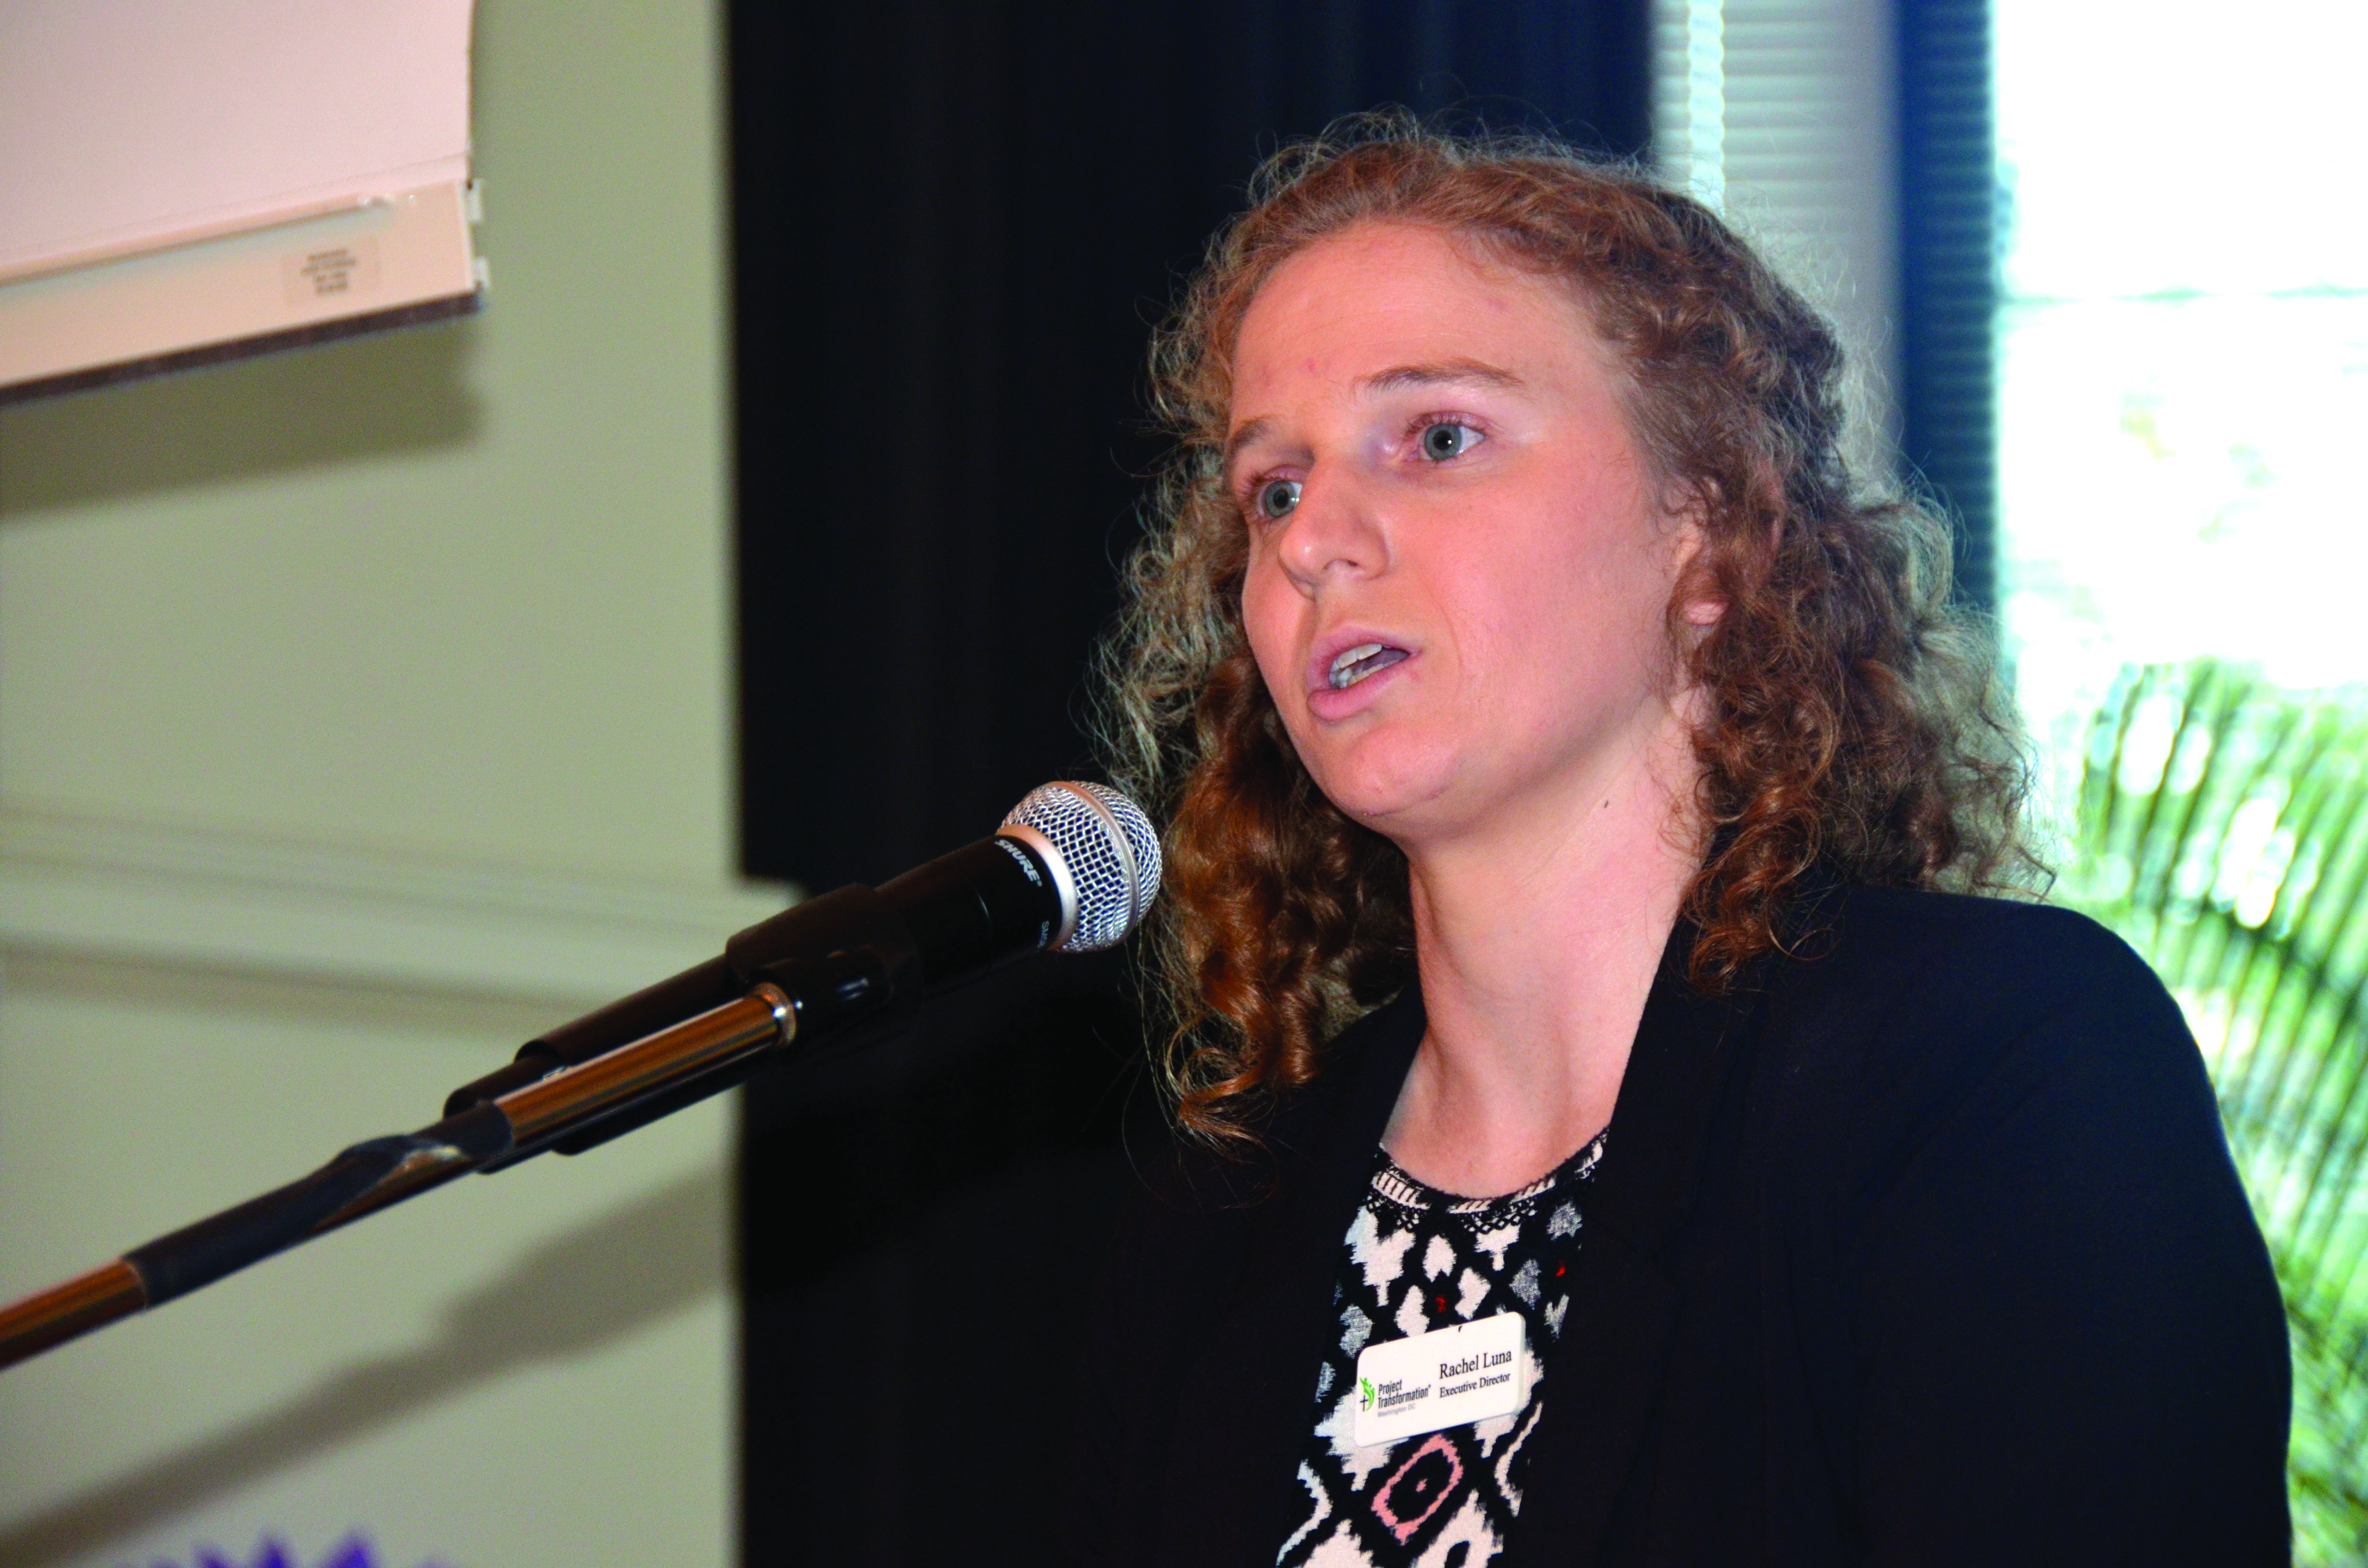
(1330, 534)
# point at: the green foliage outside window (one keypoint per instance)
(2222, 830)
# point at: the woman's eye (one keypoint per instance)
(1276, 497)
(1446, 439)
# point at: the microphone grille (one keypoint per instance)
(1110, 857)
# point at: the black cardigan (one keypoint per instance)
(1924, 1247)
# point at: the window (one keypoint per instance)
(2175, 322)
(2183, 345)
(2182, 341)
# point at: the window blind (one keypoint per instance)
(1780, 115)
(1852, 141)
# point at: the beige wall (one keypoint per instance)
(361, 713)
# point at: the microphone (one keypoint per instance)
(1073, 868)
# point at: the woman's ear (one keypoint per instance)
(1696, 597)
(1704, 609)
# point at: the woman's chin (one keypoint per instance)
(1389, 793)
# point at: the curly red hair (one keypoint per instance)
(1854, 714)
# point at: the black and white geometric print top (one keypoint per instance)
(1416, 1259)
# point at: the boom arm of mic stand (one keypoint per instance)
(623, 1064)
(381, 1172)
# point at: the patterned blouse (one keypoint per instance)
(1416, 1259)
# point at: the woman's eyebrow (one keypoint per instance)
(1254, 430)
(1467, 371)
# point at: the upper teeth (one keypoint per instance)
(1348, 659)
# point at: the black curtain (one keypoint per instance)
(954, 223)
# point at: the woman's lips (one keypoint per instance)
(1354, 677)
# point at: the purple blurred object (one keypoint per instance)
(354, 1551)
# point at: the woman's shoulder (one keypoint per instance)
(2000, 1182)
(1199, 1203)
(2019, 946)
(1919, 969)
(1197, 1180)
(1920, 1027)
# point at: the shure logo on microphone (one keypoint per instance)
(1027, 861)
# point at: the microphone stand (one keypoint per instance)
(627, 1063)
(671, 1067)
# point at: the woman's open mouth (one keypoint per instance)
(1353, 665)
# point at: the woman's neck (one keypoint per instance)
(1537, 944)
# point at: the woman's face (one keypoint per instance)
(1459, 579)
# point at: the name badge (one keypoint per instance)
(1467, 1371)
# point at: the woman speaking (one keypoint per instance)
(1618, 1127)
